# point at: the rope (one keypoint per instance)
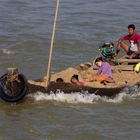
(12, 78)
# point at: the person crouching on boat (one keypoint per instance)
(104, 73)
(132, 50)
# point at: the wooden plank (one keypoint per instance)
(124, 60)
(123, 67)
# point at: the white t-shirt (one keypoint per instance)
(133, 47)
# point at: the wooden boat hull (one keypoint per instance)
(71, 88)
(123, 75)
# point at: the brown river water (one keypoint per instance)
(25, 33)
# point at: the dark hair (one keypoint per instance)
(75, 76)
(59, 80)
(99, 59)
(131, 26)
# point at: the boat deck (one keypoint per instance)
(123, 76)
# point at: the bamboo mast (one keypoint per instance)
(52, 44)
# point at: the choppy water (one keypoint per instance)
(25, 30)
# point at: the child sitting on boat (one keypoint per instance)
(104, 73)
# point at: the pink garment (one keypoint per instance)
(134, 38)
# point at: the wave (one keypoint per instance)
(128, 93)
(6, 51)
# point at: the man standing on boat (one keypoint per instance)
(132, 50)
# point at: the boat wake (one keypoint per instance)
(129, 93)
(8, 52)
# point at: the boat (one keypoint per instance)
(14, 86)
(123, 74)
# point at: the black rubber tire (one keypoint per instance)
(19, 96)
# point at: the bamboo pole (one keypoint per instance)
(52, 45)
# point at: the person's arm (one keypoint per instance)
(104, 70)
(121, 39)
(138, 52)
(95, 67)
(118, 45)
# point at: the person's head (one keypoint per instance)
(74, 78)
(131, 29)
(59, 80)
(99, 61)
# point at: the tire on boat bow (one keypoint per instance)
(13, 91)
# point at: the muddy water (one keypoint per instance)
(25, 30)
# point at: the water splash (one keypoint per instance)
(8, 52)
(129, 93)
